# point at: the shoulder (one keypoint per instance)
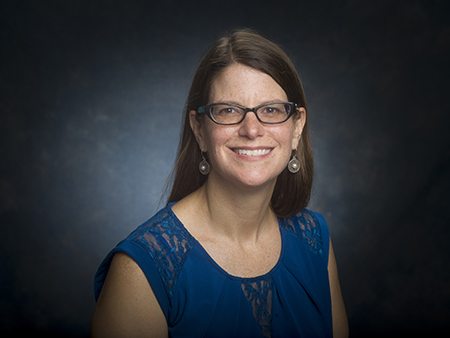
(163, 221)
(127, 305)
(159, 247)
(311, 228)
(167, 242)
(162, 232)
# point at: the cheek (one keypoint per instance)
(286, 136)
(215, 137)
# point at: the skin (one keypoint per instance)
(247, 87)
(127, 306)
(229, 215)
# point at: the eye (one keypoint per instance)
(226, 110)
(271, 110)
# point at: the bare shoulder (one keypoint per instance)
(340, 323)
(127, 306)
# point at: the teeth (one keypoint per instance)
(252, 152)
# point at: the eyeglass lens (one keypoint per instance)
(270, 113)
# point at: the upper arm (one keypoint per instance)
(127, 306)
(340, 323)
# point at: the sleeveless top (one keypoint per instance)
(200, 299)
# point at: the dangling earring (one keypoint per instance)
(204, 165)
(294, 164)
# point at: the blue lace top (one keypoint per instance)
(200, 299)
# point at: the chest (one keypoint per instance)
(291, 301)
(250, 260)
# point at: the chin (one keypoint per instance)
(246, 177)
(253, 180)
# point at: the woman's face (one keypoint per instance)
(249, 154)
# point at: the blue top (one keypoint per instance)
(200, 299)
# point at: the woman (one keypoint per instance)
(234, 253)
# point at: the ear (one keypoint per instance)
(197, 129)
(299, 123)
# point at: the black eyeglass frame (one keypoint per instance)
(206, 109)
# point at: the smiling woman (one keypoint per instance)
(254, 51)
(246, 151)
(234, 253)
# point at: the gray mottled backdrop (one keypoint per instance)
(91, 94)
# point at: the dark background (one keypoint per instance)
(91, 94)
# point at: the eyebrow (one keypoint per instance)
(240, 104)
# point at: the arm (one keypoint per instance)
(340, 323)
(127, 306)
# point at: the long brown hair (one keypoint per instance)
(292, 191)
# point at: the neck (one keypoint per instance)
(239, 213)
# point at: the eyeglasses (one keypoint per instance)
(228, 113)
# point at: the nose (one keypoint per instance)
(251, 127)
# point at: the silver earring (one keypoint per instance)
(294, 164)
(204, 165)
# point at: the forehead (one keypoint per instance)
(245, 85)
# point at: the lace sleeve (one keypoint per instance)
(168, 243)
(160, 247)
(311, 228)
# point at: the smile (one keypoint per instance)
(252, 152)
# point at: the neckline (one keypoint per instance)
(217, 266)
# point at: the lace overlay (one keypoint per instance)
(304, 226)
(258, 291)
(259, 294)
(169, 244)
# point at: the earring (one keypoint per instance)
(204, 165)
(294, 164)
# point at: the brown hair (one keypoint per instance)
(292, 191)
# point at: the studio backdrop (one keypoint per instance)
(91, 97)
